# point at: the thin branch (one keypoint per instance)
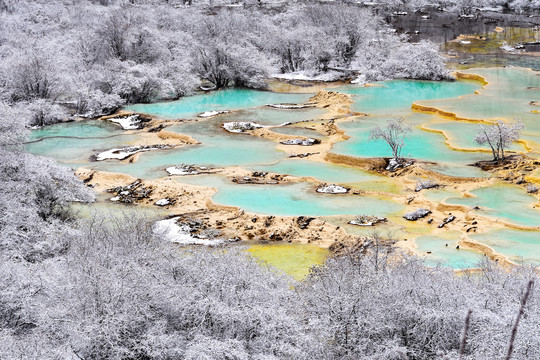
(464, 338)
(520, 314)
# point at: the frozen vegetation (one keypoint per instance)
(87, 59)
(108, 287)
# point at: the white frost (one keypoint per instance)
(131, 122)
(325, 77)
(240, 126)
(332, 189)
(181, 170)
(180, 234)
(163, 202)
(288, 106)
(119, 154)
(207, 114)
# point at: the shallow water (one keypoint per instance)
(73, 143)
(461, 135)
(226, 99)
(508, 202)
(444, 255)
(520, 246)
(294, 199)
(298, 131)
(397, 96)
(507, 97)
(421, 145)
(293, 259)
(271, 116)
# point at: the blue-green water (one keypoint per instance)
(226, 99)
(321, 171)
(444, 255)
(508, 202)
(271, 116)
(520, 246)
(81, 129)
(397, 96)
(419, 145)
(297, 131)
(292, 199)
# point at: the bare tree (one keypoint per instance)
(394, 134)
(498, 136)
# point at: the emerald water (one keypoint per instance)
(461, 135)
(508, 96)
(508, 202)
(443, 252)
(226, 99)
(420, 145)
(271, 116)
(298, 131)
(520, 246)
(293, 199)
(396, 96)
(321, 171)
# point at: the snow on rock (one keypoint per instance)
(123, 153)
(325, 77)
(507, 47)
(240, 126)
(360, 80)
(417, 214)
(288, 106)
(131, 122)
(302, 142)
(332, 189)
(116, 198)
(208, 114)
(183, 170)
(163, 202)
(170, 230)
(394, 164)
(366, 220)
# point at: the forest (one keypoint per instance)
(104, 286)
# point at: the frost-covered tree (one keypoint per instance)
(394, 134)
(498, 136)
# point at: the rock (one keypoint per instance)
(182, 169)
(425, 184)
(302, 142)
(366, 220)
(532, 189)
(163, 202)
(288, 106)
(447, 220)
(240, 126)
(125, 152)
(417, 214)
(304, 221)
(208, 114)
(332, 189)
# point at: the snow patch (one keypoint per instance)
(241, 126)
(288, 106)
(123, 153)
(332, 189)
(131, 122)
(163, 202)
(302, 142)
(182, 170)
(208, 114)
(324, 77)
(181, 234)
